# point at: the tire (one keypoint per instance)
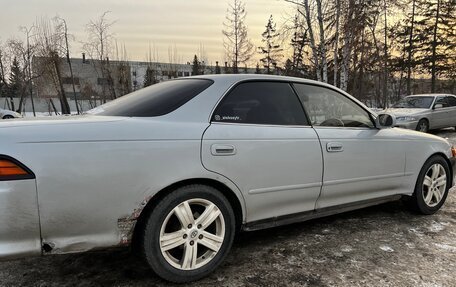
(431, 187)
(422, 126)
(8, 117)
(173, 259)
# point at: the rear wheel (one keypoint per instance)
(189, 233)
(423, 126)
(432, 186)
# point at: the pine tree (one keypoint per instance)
(257, 69)
(437, 48)
(271, 49)
(299, 41)
(16, 80)
(196, 66)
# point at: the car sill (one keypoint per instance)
(308, 215)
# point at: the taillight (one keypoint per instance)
(11, 169)
(453, 151)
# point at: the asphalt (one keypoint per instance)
(385, 245)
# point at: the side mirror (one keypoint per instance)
(385, 121)
(438, 106)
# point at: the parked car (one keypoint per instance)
(178, 168)
(7, 114)
(425, 112)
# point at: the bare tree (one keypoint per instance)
(64, 30)
(173, 59)
(410, 48)
(22, 52)
(304, 5)
(322, 45)
(3, 83)
(99, 46)
(238, 47)
(50, 47)
(336, 42)
(123, 70)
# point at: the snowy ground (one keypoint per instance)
(379, 246)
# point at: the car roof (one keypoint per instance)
(234, 78)
(430, 95)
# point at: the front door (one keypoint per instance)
(361, 162)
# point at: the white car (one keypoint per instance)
(425, 112)
(7, 114)
(179, 167)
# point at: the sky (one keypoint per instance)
(184, 24)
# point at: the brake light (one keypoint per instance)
(11, 169)
(453, 151)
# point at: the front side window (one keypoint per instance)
(156, 100)
(442, 101)
(326, 107)
(273, 103)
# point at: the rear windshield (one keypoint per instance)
(156, 100)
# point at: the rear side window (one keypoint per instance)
(452, 101)
(156, 100)
(273, 103)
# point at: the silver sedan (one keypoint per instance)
(7, 114)
(425, 112)
(178, 168)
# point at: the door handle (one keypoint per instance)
(334, 147)
(223, 149)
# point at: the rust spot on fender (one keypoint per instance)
(127, 224)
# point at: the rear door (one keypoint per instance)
(441, 114)
(260, 139)
(452, 111)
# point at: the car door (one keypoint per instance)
(361, 162)
(440, 113)
(260, 139)
(451, 120)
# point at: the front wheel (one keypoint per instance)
(189, 233)
(423, 126)
(432, 186)
(8, 117)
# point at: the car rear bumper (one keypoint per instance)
(19, 220)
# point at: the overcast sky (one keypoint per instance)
(164, 23)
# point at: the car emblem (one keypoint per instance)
(193, 234)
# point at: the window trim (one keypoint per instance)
(232, 87)
(291, 83)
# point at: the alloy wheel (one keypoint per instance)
(434, 184)
(192, 234)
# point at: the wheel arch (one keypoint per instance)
(230, 194)
(447, 160)
(450, 166)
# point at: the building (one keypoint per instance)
(97, 82)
